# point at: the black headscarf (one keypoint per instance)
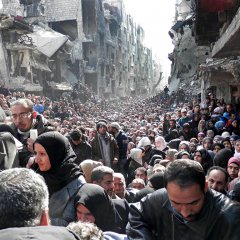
(63, 169)
(222, 157)
(97, 201)
(207, 161)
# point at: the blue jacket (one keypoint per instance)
(62, 203)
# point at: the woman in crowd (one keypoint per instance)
(55, 160)
(92, 204)
(203, 157)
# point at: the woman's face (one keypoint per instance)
(84, 215)
(41, 157)
(198, 157)
(216, 149)
(232, 170)
(207, 145)
(227, 144)
(237, 146)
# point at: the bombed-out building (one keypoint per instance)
(207, 33)
(51, 46)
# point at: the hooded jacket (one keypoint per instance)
(154, 218)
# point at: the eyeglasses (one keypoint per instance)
(23, 115)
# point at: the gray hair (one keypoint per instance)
(86, 231)
(24, 197)
(99, 172)
(25, 102)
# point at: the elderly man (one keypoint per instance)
(217, 179)
(122, 142)
(24, 208)
(186, 209)
(24, 119)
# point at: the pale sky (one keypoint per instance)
(156, 17)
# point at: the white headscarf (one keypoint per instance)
(136, 155)
(160, 143)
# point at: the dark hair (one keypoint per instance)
(75, 135)
(217, 144)
(141, 169)
(185, 173)
(219, 169)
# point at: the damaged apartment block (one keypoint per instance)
(53, 46)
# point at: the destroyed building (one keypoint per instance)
(51, 46)
(213, 27)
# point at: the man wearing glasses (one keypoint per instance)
(24, 119)
(187, 209)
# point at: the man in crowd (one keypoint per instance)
(186, 209)
(24, 119)
(104, 146)
(103, 176)
(120, 188)
(217, 179)
(24, 207)
(82, 148)
(141, 173)
(122, 142)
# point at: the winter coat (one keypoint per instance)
(154, 218)
(96, 149)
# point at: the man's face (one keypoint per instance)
(171, 124)
(107, 184)
(102, 130)
(21, 117)
(119, 187)
(217, 180)
(141, 175)
(187, 201)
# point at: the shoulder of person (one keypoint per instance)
(39, 233)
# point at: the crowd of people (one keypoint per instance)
(165, 167)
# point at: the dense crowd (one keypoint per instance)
(99, 157)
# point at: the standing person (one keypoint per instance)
(25, 213)
(24, 119)
(81, 147)
(122, 142)
(55, 159)
(104, 146)
(186, 209)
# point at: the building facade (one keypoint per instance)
(55, 45)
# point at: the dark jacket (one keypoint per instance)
(42, 125)
(37, 233)
(122, 141)
(153, 218)
(83, 151)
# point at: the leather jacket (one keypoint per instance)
(154, 218)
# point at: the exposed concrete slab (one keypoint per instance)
(228, 44)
